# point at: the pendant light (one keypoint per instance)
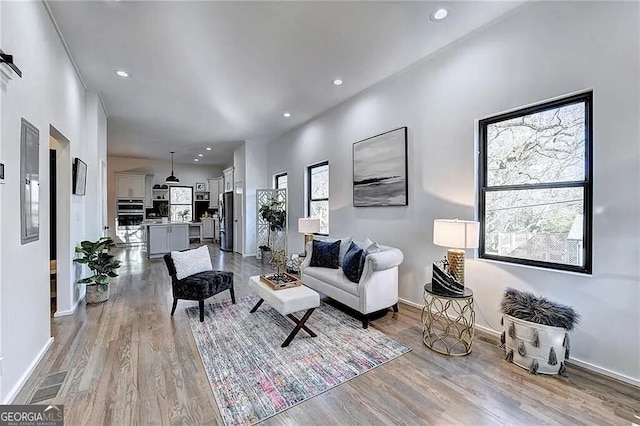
(172, 178)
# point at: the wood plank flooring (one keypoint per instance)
(128, 362)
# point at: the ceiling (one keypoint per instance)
(214, 74)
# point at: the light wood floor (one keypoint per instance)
(129, 362)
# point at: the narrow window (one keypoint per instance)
(318, 194)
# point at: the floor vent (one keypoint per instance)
(49, 387)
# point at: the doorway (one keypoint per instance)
(238, 218)
(60, 223)
(53, 226)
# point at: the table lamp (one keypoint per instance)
(457, 235)
(308, 226)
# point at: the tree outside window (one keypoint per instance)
(535, 185)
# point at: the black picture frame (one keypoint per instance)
(79, 176)
(380, 170)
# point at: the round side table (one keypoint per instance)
(448, 322)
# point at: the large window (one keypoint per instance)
(318, 194)
(181, 203)
(535, 185)
(280, 181)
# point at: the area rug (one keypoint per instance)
(253, 378)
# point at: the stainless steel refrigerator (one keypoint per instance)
(226, 221)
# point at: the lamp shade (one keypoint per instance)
(308, 225)
(462, 234)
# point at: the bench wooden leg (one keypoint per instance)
(255, 308)
(299, 325)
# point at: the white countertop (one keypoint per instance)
(167, 224)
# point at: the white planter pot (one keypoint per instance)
(538, 350)
(95, 295)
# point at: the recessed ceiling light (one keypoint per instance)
(200, 155)
(439, 14)
(122, 73)
(208, 148)
(337, 82)
(286, 114)
(195, 159)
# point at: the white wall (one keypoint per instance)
(255, 178)
(189, 175)
(49, 93)
(542, 50)
(239, 161)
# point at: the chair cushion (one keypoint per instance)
(352, 263)
(191, 262)
(202, 285)
(326, 255)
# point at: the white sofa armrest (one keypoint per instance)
(307, 260)
(385, 259)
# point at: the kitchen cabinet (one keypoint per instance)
(215, 189)
(148, 191)
(165, 238)
(208, 228)
(130, 186)
(228, 179)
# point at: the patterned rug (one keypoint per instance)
(253, 378)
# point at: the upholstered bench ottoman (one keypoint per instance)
(286, 302)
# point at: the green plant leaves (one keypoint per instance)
(95, 254)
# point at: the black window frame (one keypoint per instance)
(276, 179)
(586, 184)
(309, 198)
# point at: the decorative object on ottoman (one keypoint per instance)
(95, 254)
(535, 333)
(457, 235)
(198, 286)
(280, 281)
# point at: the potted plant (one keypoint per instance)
(95, 254)
(273, 213)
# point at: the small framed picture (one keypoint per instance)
(206, 196)
(200, 187)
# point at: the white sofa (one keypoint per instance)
(376, 290)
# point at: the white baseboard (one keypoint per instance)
(407, 302)
(25, 376)
(575, 361)
(69, 312)
(605, 372)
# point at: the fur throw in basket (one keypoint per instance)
(527, 307)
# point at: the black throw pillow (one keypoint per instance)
(351, 265)
(326, 255)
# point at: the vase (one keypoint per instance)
(95, 295)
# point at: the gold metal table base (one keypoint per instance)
(448, 324)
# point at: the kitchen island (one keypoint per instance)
(164, 238)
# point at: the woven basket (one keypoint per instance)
(94, 295)
(535, 347)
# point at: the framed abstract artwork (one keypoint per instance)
(79, 176)
(380, 170)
